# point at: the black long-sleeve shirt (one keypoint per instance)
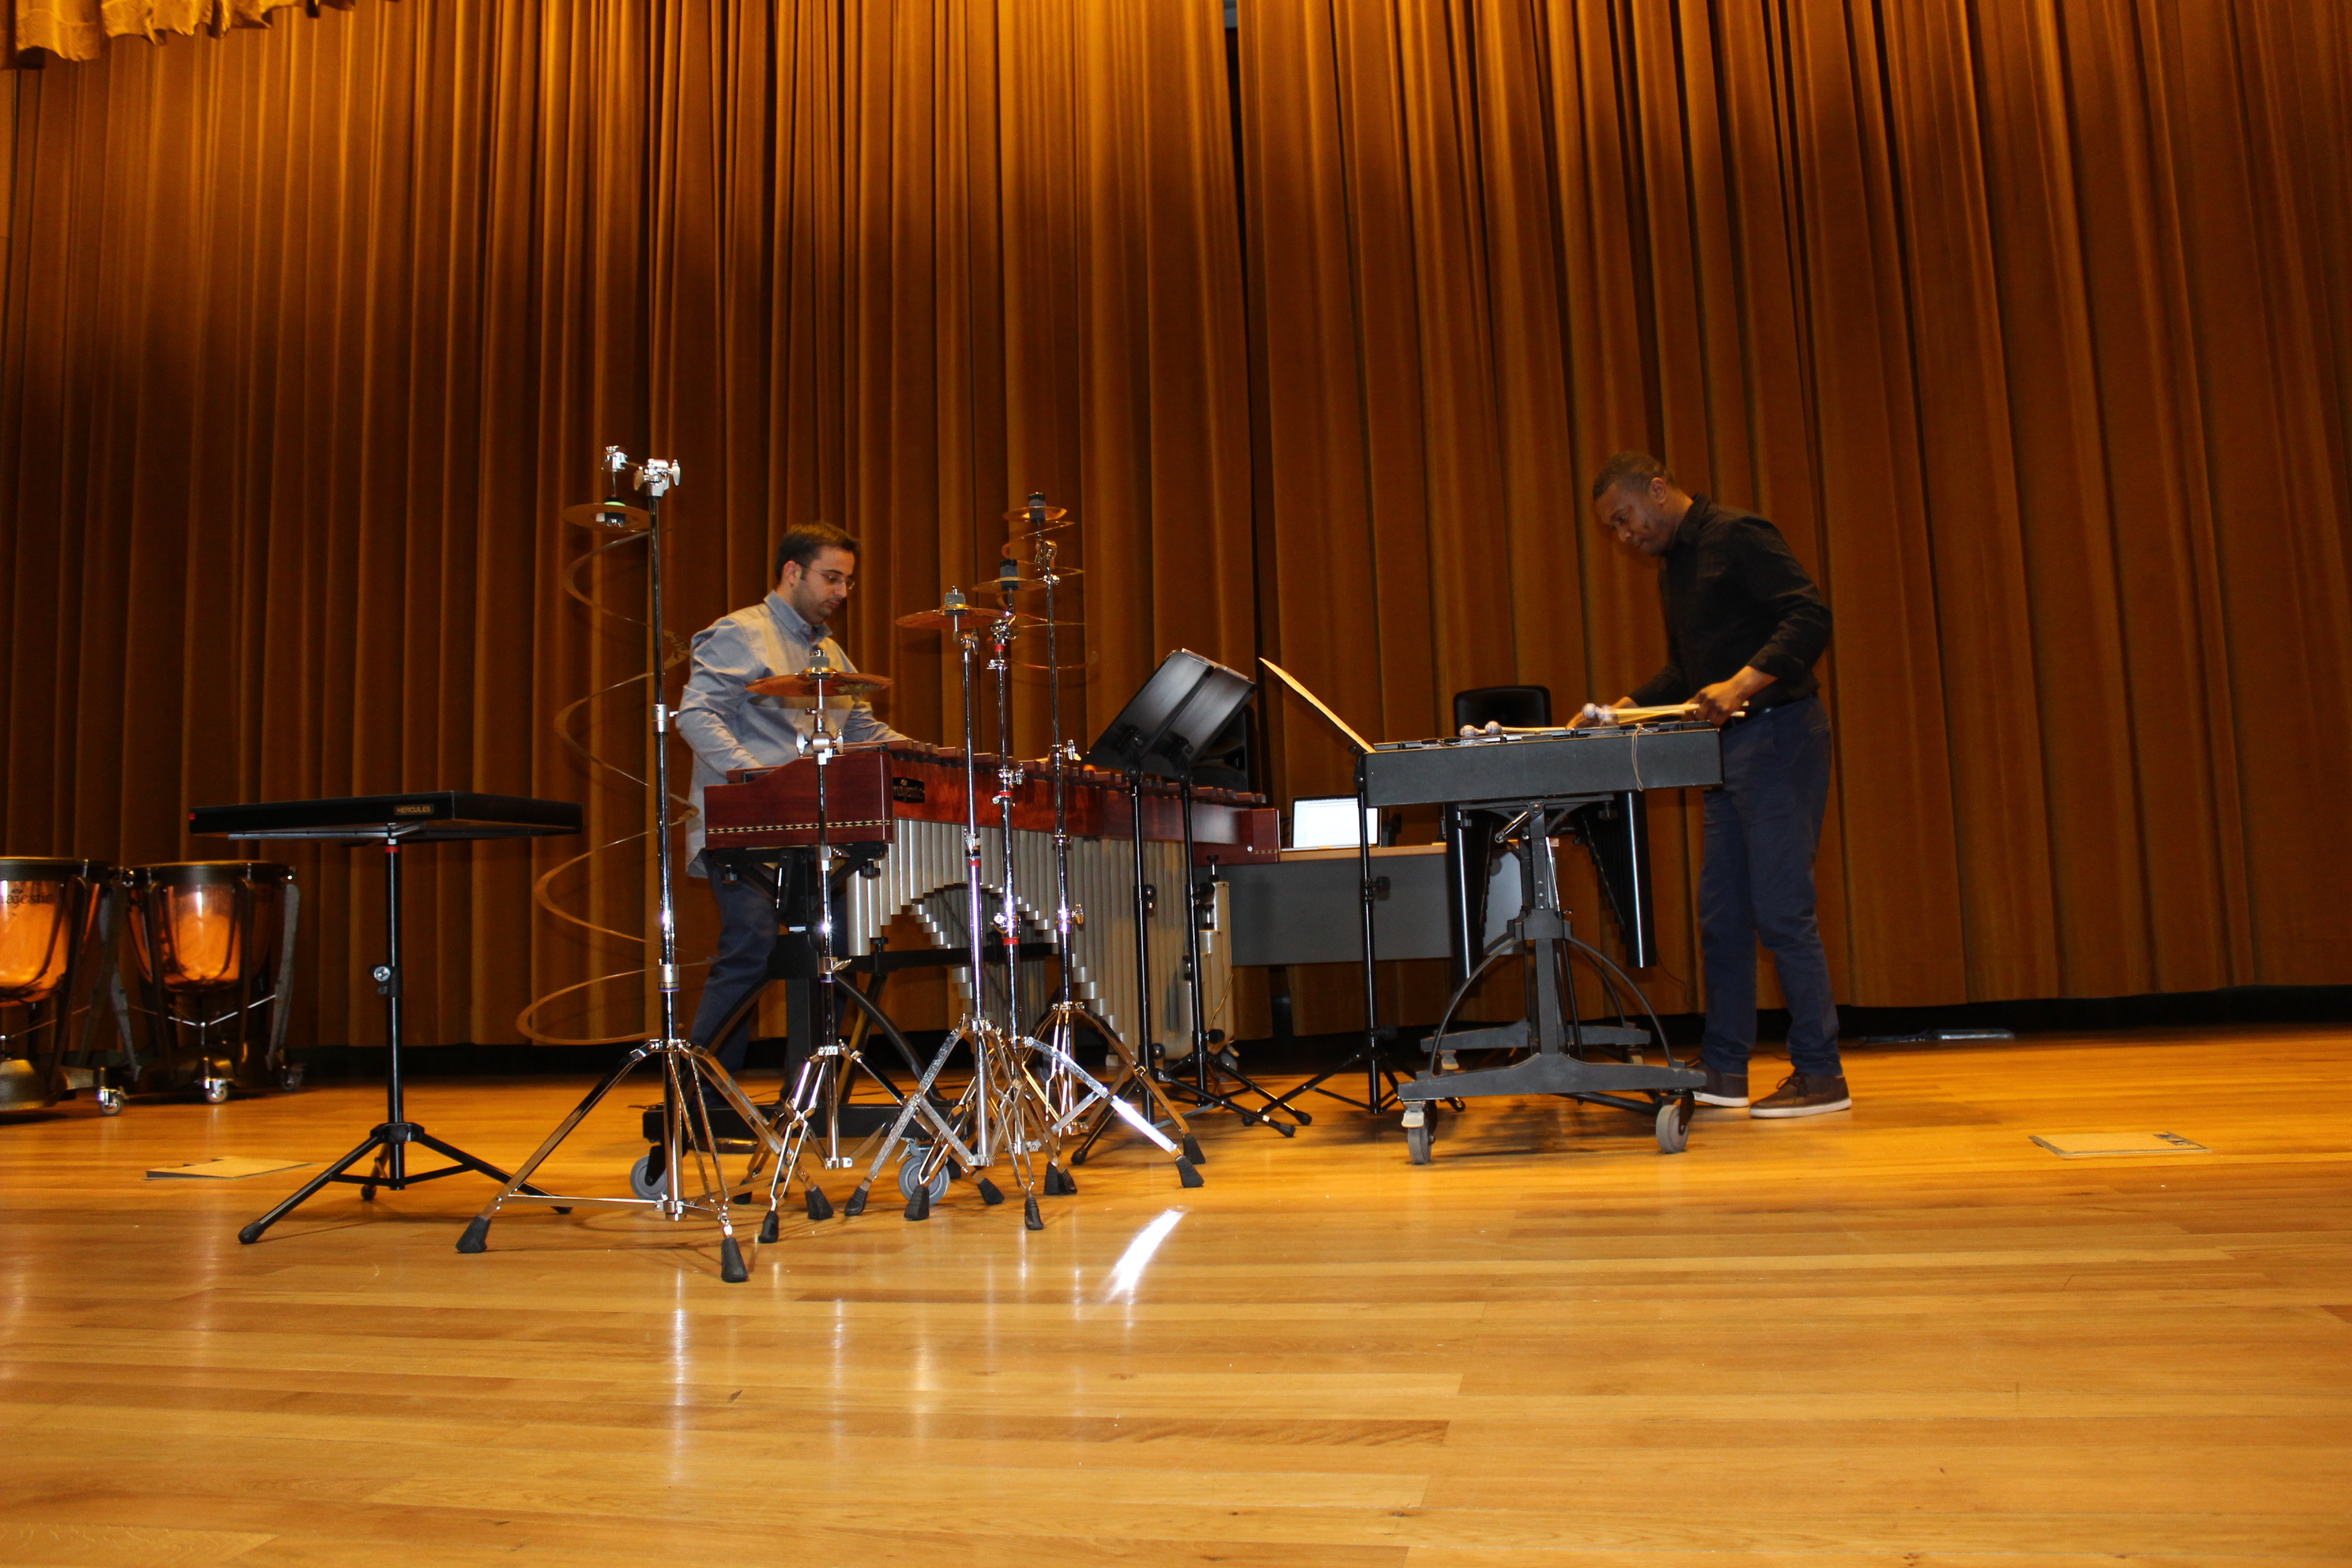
(1733, 596)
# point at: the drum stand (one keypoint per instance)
(691, 1075)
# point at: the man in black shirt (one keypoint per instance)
(1744, 627)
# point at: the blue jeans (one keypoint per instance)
(1757, 881)
(747, 931)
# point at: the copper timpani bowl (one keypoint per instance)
(47, 909)
(197, 925)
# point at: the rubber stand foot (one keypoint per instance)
(564, 1209)
(1030, 1217)
(250, 1233)
(1284, 1128)
(990, 1193)
(730, 1262)
(1058, 1184)
(1303, 1120)
(819, 1206)
(1186, 1174)
(478, 1235)
(1079, 1159)
(919, 1205)
(768, 1226)
(857, 1204)
(367, 1195)
(1193, 1150)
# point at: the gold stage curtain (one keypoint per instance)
(285, 447)
(79, 29)
(2026, 323)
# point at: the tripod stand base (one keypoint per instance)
(384, 1141)
(1381, 1081)
(691, 1079)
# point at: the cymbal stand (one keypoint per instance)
(1066, 1111)
(1023, 1117)
(973, 1029)
(829, 1060)
(690, 1075)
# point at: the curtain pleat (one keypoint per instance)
(2024, 322)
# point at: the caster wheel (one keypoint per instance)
(1674, 1124)
(215, 1090)
(644, 1183)
(1417, 1142)
(110, 1101)
(289, 1079)
(910, 1165)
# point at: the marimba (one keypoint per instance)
(911, 799)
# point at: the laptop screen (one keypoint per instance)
(1329, 822)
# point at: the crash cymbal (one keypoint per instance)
(999, 586)
(977, 618)
(1067, 666)
(837, 683)
(1055, 516)
(617, 516)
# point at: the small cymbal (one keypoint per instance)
(837, 683)
(977, 617)
(1055, 516)
(1023, 584)
(610, 514)
(1067, 666)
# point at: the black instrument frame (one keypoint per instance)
(390, 821)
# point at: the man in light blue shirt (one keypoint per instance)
(731, 727)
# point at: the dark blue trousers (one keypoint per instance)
(1756, 882)
(746, 930)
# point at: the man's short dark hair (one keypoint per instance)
(802, 545)
(1632, 469)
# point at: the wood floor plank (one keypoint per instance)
(1903, 1336)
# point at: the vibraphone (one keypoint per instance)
(911, 799)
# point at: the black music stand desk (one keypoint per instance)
(392, 820)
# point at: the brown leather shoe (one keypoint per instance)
(1805, 1094)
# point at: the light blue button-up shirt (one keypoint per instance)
(729, 727)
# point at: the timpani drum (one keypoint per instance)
(212, 951)
(55, 929)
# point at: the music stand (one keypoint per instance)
(1170, 721)
(1380, 1077)
(391, 821)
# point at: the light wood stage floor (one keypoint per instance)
(1901, 1335)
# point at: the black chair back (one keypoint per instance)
(1513, 706)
